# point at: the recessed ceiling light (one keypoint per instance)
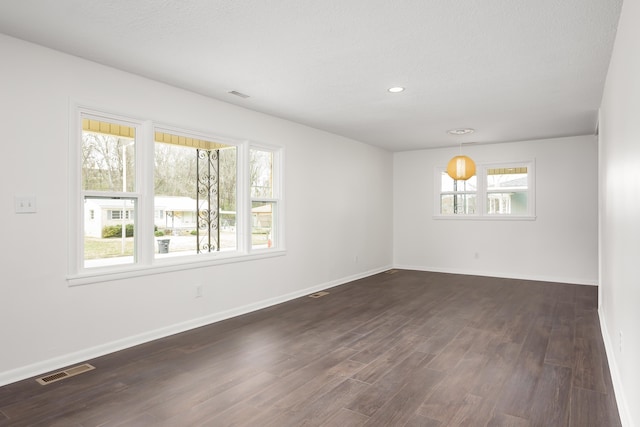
(462, 131)
(396, 89)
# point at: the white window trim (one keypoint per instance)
(481, 194)
(146, 262)
(278, 196)
(242, 190)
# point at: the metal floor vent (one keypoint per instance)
(319, 294)
(76, 370)
(392, 271)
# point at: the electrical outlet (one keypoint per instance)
(199, 292)
(25, 204)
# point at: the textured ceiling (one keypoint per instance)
(511, 69)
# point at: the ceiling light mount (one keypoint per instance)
(460, 131)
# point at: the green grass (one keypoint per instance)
(95, 248)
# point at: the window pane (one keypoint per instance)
(512, 203)
(262, 220)
(452, 204)
(104, 243)
(228, 231)
(261, 170)
(449, 184)
(108, 156)
(195, 195)
(507, 191)
(503, 179)
(228, 191)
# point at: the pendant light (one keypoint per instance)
(461, 167)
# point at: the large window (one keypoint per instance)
(194, 194)
(150, 194)
(496, 191)
(108, 183)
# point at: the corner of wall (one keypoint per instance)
(623, 408)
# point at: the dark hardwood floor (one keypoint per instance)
(403, 349)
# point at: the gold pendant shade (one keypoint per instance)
(461, 168)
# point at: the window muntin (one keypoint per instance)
(497, 191)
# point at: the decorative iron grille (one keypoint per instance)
(207, 186)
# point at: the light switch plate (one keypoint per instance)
(25, 204)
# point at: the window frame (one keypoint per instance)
(77, 261)
(240, 184)
(277, 234)
(145, 261)
(482, 193)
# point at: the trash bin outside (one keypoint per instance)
(163, 246)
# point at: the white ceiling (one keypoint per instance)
(511, 69)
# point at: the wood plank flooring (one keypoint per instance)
(404, 349)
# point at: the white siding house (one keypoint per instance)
(171, 213)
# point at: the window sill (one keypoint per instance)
(165, 266)
(486, 217)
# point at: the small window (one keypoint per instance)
(264, 198)
(496, 191)
(507, 191)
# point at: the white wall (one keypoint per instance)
(338, 207)
(620, 213)
(560, 245)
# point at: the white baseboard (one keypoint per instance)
(56, 363)
(623, 408)
(539, 278)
